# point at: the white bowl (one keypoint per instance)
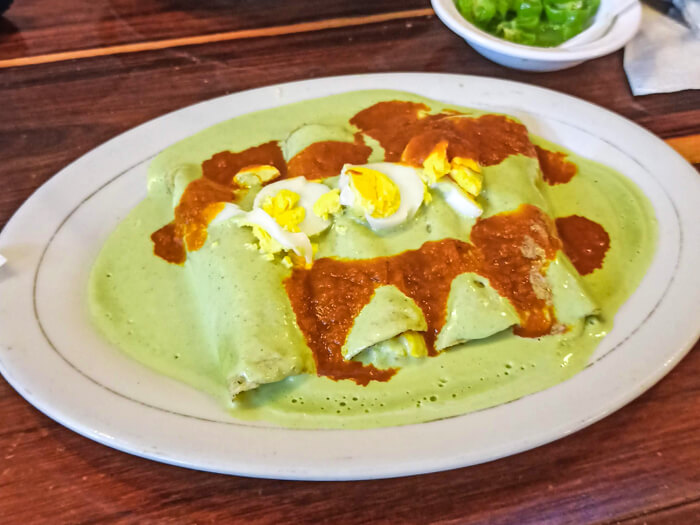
(531, 58)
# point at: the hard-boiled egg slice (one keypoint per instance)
(436, 165)
(308, 193)
(388, 194)
(255, 175)
(463, 174)
(283, 217)
(467, 174)
(458, 199)
(273, 238)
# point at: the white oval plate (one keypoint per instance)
(51, 355)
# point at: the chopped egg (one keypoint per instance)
(250, 176)
(462, 186)
(273, 238)
(386, 193)
(283, 217)
(327, 204)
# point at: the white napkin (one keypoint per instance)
(663, 57)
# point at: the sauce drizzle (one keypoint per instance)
(409, 134)
(511, 250)
(326, 158)
(585, 242)
(224, 165)
(555, 168)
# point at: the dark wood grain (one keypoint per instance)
(38, 27)
(685, 513)
(640, 465)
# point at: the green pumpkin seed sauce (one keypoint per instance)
(174, 319)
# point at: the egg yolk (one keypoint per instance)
(436, 165)
(414, 344)
(283, 208)
(255, 175)
(464, 171)
(467, 174)
(327, 204)
(374, 191)
(267, 245)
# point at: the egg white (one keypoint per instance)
(229, 211)
(298, 242)
(457, 199)
(409, 183)
(309, 193)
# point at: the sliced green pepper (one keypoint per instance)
(545, 23)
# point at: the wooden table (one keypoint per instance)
(74, 74)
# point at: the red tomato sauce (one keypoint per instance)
(585, 242)
(409, 134)
(555, 168)
(507, 249)
(325, 159)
